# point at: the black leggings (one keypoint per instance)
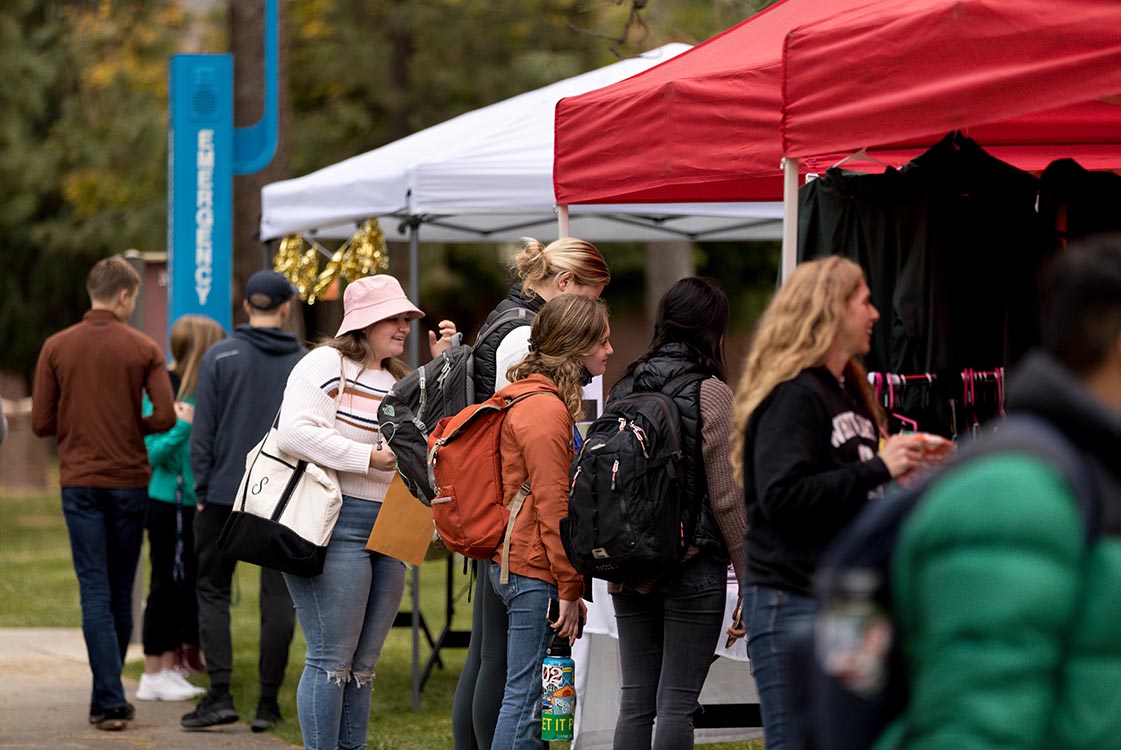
(478, 696)
(171, 617)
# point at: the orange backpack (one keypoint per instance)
(470, 509)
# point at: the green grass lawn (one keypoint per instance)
(38, 589)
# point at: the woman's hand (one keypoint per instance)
(382, 458)
(734, 634)
(185, 411)
(437, 343)
(901, 453)
(568, 624)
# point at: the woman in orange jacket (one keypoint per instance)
(569, 344)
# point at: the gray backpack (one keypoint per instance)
(438, 389)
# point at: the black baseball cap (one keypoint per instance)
(266, 290)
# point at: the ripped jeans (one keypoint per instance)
(345, 614)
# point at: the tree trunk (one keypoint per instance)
(247, 42)
(666, 262)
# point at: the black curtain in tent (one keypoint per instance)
(952, 246)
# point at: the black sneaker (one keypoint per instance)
(268, 714)
(130, 714)
(213, 711)
(115, 719)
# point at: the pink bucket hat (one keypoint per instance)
(374, 298)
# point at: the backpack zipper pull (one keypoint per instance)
(614, 471)
(641, 435)
(575, 476)
(622, 424)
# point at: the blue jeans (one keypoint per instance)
(773, 617)
(106, 529)
(667, 639)
(527, 603)
(346, 613)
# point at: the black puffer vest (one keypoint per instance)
(668, 362)
(487, 351)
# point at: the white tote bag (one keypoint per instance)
(285, 508)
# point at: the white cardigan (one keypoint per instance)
(310, 426)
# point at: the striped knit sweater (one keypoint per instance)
(310, 426)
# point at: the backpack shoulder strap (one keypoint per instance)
(681, 382)
(1037, 436)
(507, 316)
(514, 506)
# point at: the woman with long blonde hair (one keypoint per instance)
(807, 450)
(569, 344)
(566, 266)
(171, 623)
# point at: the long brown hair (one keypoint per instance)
(190, 337)
(796, 332)
(565, 330)
(353, 346)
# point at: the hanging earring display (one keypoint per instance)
(299, 265)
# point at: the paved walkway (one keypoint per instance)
(44, 703)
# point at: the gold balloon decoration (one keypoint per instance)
(299, 266)
(362, 255)
(367, 252)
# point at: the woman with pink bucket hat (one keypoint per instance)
(347, 611)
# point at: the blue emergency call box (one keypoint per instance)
(200, 187)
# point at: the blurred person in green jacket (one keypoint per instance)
(1010, 612)
(171, 615)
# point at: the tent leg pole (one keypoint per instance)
(789, 216)
(414, 362)
(416, 635)
(562, 221)
(414, 291)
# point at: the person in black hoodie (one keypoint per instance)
(807, 450)
(240, 385)
(566, 266)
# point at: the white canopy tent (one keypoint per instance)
(487, 176)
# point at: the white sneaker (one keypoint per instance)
(175, 677)
(164, 687)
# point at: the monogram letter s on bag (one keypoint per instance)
(285, 509)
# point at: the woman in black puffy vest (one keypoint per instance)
(670, 628)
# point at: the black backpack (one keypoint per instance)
(630, 515)
(851, 696)
(441, 388)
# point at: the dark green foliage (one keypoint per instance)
(83, 96)
(83, 132)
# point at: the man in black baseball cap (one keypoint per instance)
(267, 290)
(240, 385)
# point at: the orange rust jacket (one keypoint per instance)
(537, 444)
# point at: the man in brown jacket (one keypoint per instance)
(89, 383)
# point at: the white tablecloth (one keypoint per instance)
(598, 678)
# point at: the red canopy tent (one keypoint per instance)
(1031, 80)
(701, 127)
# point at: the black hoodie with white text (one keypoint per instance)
(810, 464)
